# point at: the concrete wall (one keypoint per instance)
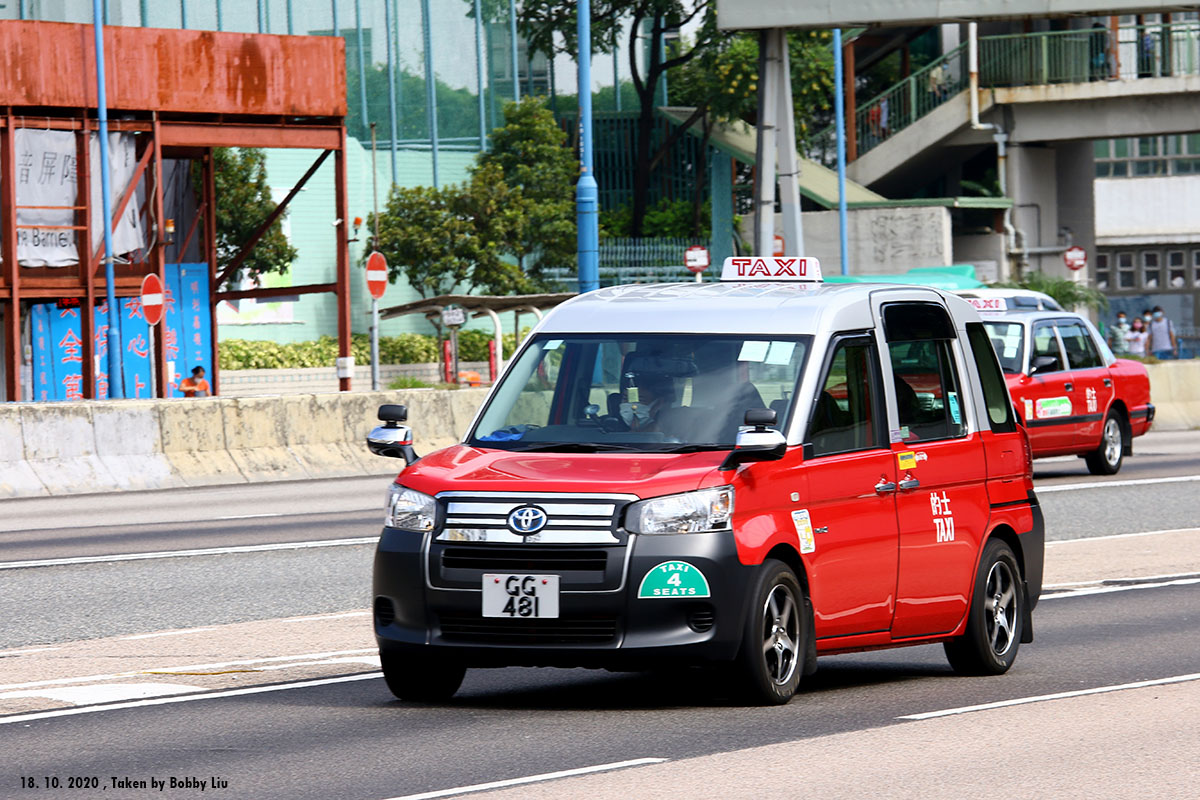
(881, 239)
(1175, 392)
(69, 448)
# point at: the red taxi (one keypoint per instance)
(1074, 396)
(745, 475)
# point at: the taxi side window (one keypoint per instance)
(995, 392)
(928, 398)
(846, 416)
(1081, 350)
(1045, 343)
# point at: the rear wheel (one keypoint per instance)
(419, 678)
(1106, 459)
(771, 658)
(994, 623)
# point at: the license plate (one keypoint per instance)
(520, 596)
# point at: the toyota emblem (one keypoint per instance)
(526, 520)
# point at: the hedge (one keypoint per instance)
(407, 348)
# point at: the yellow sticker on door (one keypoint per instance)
(804, 530)
(907, 459)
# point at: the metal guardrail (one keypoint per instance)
(624, 261)
(1023, 59)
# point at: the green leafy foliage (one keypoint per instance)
(407, 348)
(243, 205)
(667, 218)
(531, 153)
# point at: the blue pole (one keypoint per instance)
(115, 375)
(23, 9)
(479, 75)
(220, 17)
(391, 69)
(430, 89)
(333, 8)
(586, 192)
(512, 24)
(839, 113)
(617, 73)
(362, 69)
(291, 27)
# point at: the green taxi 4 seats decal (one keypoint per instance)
(674, 579)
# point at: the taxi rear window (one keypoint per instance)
(906, 322)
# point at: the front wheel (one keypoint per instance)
(1106, 459)
(770, 660)
(421, 679)
(994, 624)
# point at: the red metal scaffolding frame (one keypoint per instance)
(182, 92)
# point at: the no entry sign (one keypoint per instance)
(1075, 257)
(152, 298)
(696, 258)
(377, 275)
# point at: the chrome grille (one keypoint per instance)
(571, 518)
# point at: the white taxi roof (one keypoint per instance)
(770, 308)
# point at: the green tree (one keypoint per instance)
(455, 237)
(531, 153)
(243, 205)
(1067, 292)
(550, 26)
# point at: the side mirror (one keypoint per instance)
(392, 439)
(757, 440)
(1043, 364)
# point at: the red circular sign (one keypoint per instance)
(1075, 257)
(696, 258)
(377, 275)
(152, 299)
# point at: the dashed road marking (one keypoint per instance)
(164, 633)
(548, 776)
(1057, 696)
(1068, 487)
(205, 551)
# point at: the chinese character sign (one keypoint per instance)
(58, 353)
(187, 331)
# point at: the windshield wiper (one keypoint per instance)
(575, 447)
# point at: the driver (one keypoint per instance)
(654, 392)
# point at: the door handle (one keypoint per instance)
(883, 487)
(909, 483)
(1108, 381)
(1068, 386)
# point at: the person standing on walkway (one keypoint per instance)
(1117, 334)
(1136, 340)
(1163, 344)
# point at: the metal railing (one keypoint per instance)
(1023, 59)
(624, 261)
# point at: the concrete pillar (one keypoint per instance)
(1076, 178)
(1032, 184)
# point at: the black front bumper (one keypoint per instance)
(428, 600)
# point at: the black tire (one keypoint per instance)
(421, 679)
(995, 620)
(770, 660)
(1106, 458)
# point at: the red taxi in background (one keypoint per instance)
(1073, 395)
(743, 475)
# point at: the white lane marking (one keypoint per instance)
(1122, 536)
(27, 652)
(162, 701)
(1119, 581)
(249, 516)
(250, 662)
(319, 617)
(164, 633)
(1067, 487)
(107, 693)
(206, 551)
(1113, 589)
(548, 776)
(1057, 696)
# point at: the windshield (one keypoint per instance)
(646, 393)
(1008, 338)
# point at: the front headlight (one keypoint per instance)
(690, 512)
(409, 510)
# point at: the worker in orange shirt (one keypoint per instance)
(195, 386)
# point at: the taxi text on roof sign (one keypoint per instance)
(775, 268)
(988, 303)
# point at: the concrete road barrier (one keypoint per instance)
(69, 448)
(1175, 392)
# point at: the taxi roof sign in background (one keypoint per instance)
(775, 268)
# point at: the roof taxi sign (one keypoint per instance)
(775, 268)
